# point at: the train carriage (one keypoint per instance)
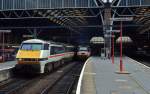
(69, 52)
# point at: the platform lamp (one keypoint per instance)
(112, 35)
(121, 68)
(3, 43)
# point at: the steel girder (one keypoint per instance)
(45, 4)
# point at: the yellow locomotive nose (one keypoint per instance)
(28, 54)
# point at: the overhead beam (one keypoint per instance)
(147, 29)
(113, 2)
(43, 4)
(54, 27)
(100, 1)
(131, 3)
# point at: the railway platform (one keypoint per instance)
(5, 69)
(7, 65)
(99, 76)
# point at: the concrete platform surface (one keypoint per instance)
(100, 77)
(5, 70)
(7, 65)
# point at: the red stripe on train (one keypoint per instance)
(56, 55)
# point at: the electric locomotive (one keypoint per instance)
(83, 52)
(40, 56)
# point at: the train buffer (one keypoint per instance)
(99, 76)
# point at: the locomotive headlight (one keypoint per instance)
(20, 59)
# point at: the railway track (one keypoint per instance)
(13, 85)
(66, 83)
(44, 84)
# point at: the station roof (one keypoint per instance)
(74, 15)
(138, 9)
(138, 29)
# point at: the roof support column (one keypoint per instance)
(107, 35)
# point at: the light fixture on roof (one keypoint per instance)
(107, 1)
(125, 39)
(97, 40)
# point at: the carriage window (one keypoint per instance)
(56, 50)
(52, 50)
(69, 49)
(60, 50)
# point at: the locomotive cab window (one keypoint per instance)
(83, 49)
(31, 46)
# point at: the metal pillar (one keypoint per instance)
(3, 47)
(112, 51)
(35, 33)
(121, 61)
(107, 35)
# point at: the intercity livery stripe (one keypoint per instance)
(52, 56)
(56, 55)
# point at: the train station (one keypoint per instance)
(74, 46)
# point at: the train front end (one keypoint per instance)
(83, 53)
(32, 56)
